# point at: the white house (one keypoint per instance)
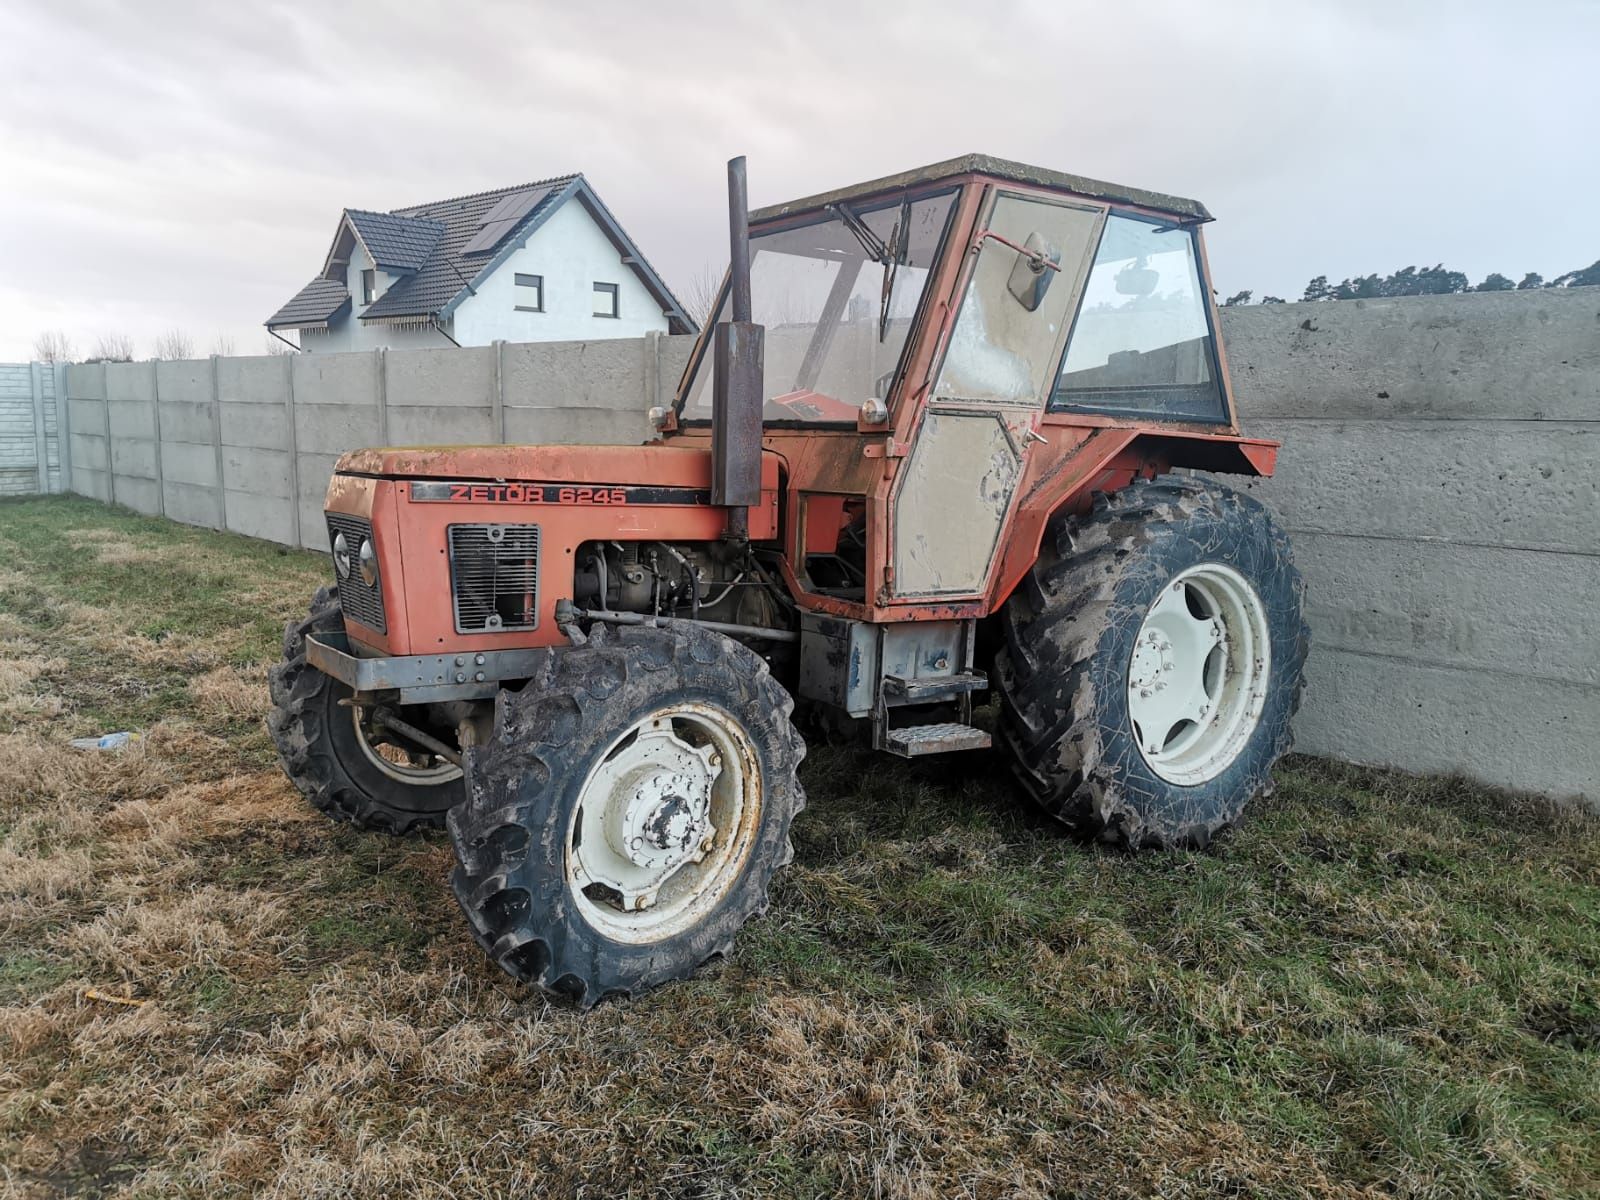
(534, 263)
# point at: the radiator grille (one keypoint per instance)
(359, 602)
(494, 577)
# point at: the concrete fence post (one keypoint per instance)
(41, 452)
(652, 368)
(381, 357)
(105, 413)
(155, 400)
(63, 426)
(294, 452)
(216, 439)
(497, 418)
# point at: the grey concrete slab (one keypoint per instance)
(86, 381)
(439, 378)
(1517, 612)
(260, 516)
(186, 421)
(442, 425)
(133, 457)
(187, 463)
(248, 423)
(1518, 355)
(131, 382)
(184, 381)
(590, 375)
(192, 504)
(576, 426)
(251, 470)
(1467, 481)
(335, 428)
(140, 494)
(87, 417)
(132, 418)
(261, 379)
(92, 483)
(340, 379)
(1509, 730)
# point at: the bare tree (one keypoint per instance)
(174, 343)
(112, 347)
(52, 346)
(222, 344)
(277, 346)
(700, 293)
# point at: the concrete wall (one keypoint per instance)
(248, 444)
(1441, 478)
(30, 447)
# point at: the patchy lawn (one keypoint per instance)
(1379, 986)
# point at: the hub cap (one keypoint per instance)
(664, 823)
(1198, 674)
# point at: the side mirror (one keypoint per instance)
(1036, 266)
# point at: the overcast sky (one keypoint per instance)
(182, 166)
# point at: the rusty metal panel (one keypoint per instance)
(736, 414)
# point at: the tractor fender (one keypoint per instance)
(1106, 459)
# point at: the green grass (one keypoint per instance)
(1379, 985)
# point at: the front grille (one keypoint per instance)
(494, 577)
(359, 602)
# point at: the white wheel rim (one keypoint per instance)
(664, 823)
(431, 770)
(1197, 678)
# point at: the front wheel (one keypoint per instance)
(339, 754)
(1152, 663)
(628, 812)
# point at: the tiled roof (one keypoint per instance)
(446, 272)
(396, 243)
(319, 301)
(426, 244)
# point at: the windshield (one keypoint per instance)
(1142, 341)
(838, 304)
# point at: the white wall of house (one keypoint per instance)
(573, 254)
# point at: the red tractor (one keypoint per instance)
(925, 454)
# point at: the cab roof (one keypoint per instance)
(1001, 168)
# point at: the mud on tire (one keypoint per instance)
(512, 835)
(321, 751)
(1069, 631)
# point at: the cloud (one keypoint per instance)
(183, 165)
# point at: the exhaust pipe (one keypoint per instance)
(737, 392)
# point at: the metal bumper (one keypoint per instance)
(420, 678)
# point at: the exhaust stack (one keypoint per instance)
(737, 392)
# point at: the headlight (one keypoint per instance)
(341, 556)
(369, 564)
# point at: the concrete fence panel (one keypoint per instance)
(1438, 477)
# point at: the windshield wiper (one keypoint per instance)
(891, 254)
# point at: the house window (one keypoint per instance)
(369, 286)
(530, 293)
(605, 300)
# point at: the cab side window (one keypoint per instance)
(1142, 343)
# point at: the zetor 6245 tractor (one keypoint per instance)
(925, 453)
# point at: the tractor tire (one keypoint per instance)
(325, 752)
(570, 868)
(1151, 663)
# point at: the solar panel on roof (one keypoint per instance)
(503, 218)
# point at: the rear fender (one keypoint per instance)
(1109, 459)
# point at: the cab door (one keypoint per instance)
(954, 493)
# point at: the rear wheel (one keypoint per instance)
(628, 811)
(340, 755)
(1152, 662)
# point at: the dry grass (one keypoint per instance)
(1381, 986)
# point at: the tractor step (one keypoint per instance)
(929, 687)
(914, 741)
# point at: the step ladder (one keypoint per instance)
(944, 737)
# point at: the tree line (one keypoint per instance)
(1425, 281)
